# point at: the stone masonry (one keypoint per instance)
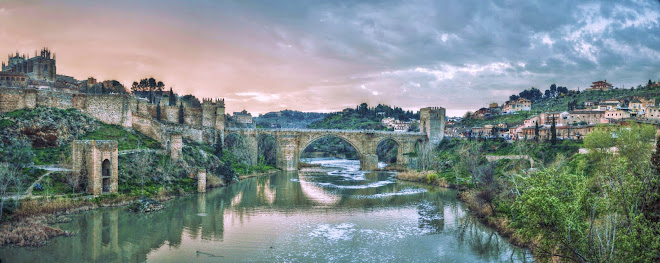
(290, 143)
(432, 123)
(97, 161)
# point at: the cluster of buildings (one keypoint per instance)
(509, 107)
(40, 71)
(572, 124)
(398, 125)
(241, 119)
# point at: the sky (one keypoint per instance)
(328, 55)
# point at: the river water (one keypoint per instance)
(334, 213)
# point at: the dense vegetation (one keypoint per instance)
(596, 207)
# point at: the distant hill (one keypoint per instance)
(363, 117)
(288, 119)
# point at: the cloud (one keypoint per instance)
(326, 55)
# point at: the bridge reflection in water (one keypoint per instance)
(290, 216)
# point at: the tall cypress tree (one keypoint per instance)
(172, 98)
(181, 112)
(536, 132)
(158, 111)
(553, 131)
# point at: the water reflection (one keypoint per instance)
(320, 214)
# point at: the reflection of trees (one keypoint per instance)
(484, 242)
(431, 217)
(112, 235)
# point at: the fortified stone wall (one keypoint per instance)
(171, 114)
(148, 127)
(13, 99)
(192, 116)
(110, 109)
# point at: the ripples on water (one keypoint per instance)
(332, 213)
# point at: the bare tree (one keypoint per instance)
(142, 167)
(166, 167)
(425, 156)
(469, 156)
(8, 178)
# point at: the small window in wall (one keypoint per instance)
(22, 79)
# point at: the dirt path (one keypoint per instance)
(29, 190)
(50, 169)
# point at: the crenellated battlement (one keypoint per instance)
(213, 102)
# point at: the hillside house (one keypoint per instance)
(585, 117)
(616, 114)
(521, 104)
(600, 85)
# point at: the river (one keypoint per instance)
(334, 213)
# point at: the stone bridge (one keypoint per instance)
(290, 143)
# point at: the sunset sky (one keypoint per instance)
(328, 55)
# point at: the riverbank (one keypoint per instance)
(31, 225)
(257, 174)
(481, 211)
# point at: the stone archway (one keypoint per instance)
(105, 175)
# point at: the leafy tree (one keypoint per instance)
(554, 205)
(514, 97)
(598, 142)
(18, 152)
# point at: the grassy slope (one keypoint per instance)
(127, 139)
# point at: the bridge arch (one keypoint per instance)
(384, 149)
(267, 148)
(312, 139)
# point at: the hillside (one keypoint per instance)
(288, 119)
(50, 132)
(561, 103)
(362, 118)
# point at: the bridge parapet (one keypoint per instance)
(322, 130)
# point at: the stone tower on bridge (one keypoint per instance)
(432, 123)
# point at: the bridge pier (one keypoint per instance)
(369, 162)
(287, 156)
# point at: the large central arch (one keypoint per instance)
(303, 145)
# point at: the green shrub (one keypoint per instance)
(431, 178)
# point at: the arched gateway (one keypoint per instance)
(290, 143)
